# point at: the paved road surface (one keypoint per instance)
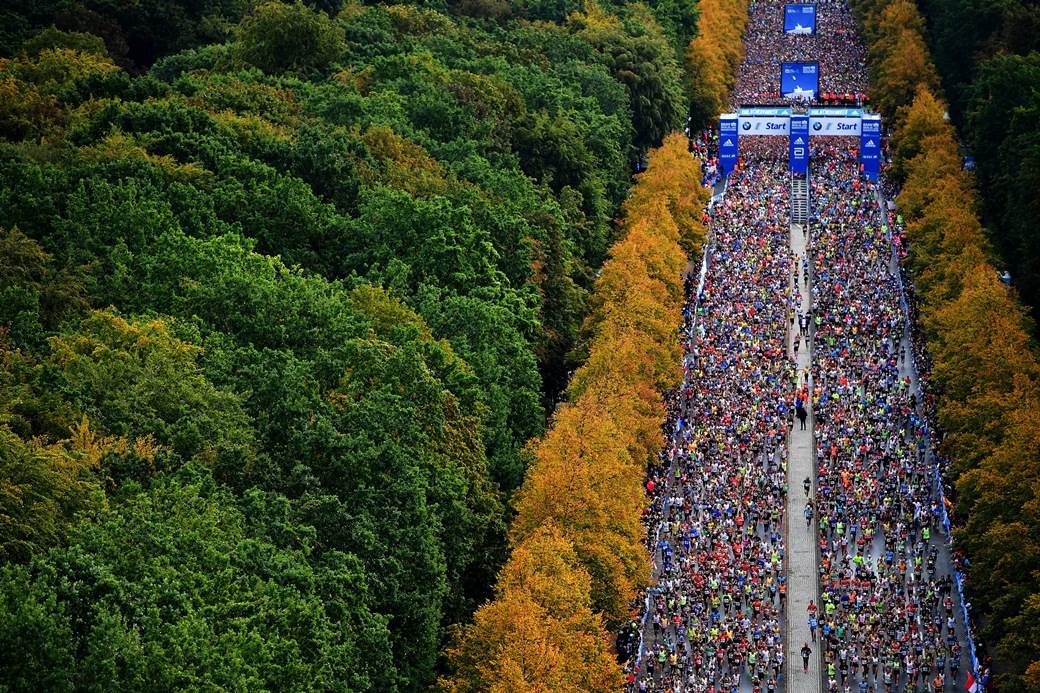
(801, 544)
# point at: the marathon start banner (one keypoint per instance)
(799, 19)
(764, 121)
(799, 154)
(826, 120)
(799, 81)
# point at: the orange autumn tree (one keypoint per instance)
(540, 633)
(899, 58)
(584, 480)
(901, 71)
(977, 368)
(578, 557)
(921, 119)
(713, 56)
(671, 187)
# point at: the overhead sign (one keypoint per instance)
(777, 111)
(870, 146)
(833, 126)
(800, 19)
(729, 140)
(835, 112)
(764, 125)
(799, 145)
(799, 81)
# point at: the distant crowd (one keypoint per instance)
(836, 46)
(716, 519)
(886, 618)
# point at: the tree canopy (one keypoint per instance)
(286, 289)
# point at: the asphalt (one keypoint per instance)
(802, 571)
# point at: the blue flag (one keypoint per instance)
(870, 146)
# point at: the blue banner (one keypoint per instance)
(767, 111)
(800, 19)
(799, 81)
(870, 147)
(728, 143)
(835, 112)
(799, 155)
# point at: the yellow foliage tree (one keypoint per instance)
(540, 633)
(901, 71)
(713, 56)
(921, 119)
(584, 480)
(980, 349)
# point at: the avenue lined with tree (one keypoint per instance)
(341, 350)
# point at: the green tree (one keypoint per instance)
(278, 37)
(1002, 126)
(638, 53)
(42, 489)
(137, 379)
(182, 586)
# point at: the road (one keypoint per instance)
(801, 542)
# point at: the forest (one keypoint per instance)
(988, 55)
(285, 291)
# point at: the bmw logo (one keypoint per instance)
(746, 125)
(817, 126)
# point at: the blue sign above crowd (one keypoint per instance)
(799, 81)
(799, 151)
(870, 147)
(800, 19)
(728, 138)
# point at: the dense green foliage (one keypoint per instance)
(283, 295)
(134, 604)
(989, 57)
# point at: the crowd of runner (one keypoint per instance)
(836, 46)
(886, 618)
(716, 520)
